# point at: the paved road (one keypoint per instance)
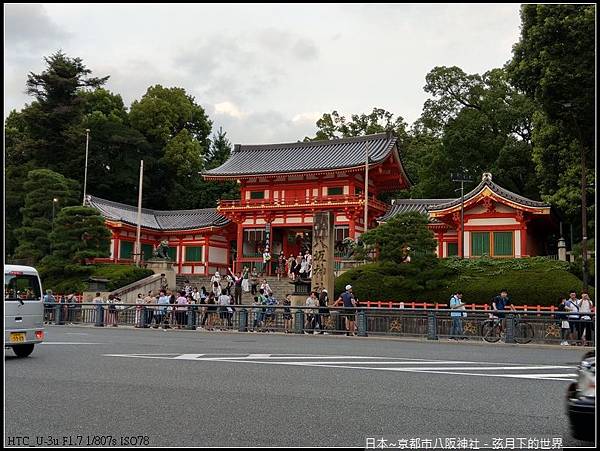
(194, 388)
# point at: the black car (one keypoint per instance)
(581, 399)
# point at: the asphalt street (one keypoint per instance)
(191, 388)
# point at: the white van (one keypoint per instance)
(23, 309)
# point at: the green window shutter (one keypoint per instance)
(126, 249)
(193, 253)
(480, 243)
(257, 194)
(503, 243)
(172, 253)
(452, 249)
(335, 191)
(147, 250)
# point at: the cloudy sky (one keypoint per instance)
(266, 72)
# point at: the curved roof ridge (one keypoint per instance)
(320, 142)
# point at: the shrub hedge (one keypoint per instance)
(529, 281)
(118, 276)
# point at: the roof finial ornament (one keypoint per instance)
(487, 177)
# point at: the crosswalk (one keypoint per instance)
(394, 364)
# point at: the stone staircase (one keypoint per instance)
(280, 288)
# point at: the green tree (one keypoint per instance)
(335, 126)
(56, 109)
(394, 238)
(554, 64)
(42, 187)
(475, 123)
(161, 116)
(115, 148)
(79, 236)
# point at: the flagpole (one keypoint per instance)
(138, 246)
(366, 220)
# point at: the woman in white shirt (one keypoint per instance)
(224, 309)
(586, 305)
(265, 286)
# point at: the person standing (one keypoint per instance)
(254, 282)
(287, 314)
(139, 310)
(237, 290)
(280, 265)
(565, 329)
(347, 300)
(323, 310)
(311, 313)
(266, 288)
(149, 300)
(245, 281)
(182, 301)
(572, 306)
(211, 311)
(49, 304)
(502, 302)
(291, 262)
(456, 304)
(224, 310)
(216, 278)
(586, 306)
(161, 312)
(98, 309)
(112, 311)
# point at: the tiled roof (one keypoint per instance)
(405, 205)
(157, 219)
(486, 181)
(305, 156)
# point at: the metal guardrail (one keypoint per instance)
(434, 324)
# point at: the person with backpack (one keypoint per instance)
(49, 303)
(572, 306)
(323, 310)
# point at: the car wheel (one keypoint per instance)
(23, 350)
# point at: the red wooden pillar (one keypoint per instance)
(240, 247)
(180, 259)
(461, 250)
(206, 253)
(524, 240)
(440, 240)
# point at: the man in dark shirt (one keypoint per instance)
(502, 302)
(347, 300)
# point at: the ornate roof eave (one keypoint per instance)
(133, 227)
(487, 189)
(487, 192)
(286, 174)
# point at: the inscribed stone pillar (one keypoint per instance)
(323, 265)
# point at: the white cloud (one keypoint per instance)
(262, 71)
(229, 109)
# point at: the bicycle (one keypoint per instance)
(491, 330)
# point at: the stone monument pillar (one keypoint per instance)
(163, 266)
(323, 263)
(562, 250)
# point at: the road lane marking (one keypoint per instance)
(187, 357)
(357, 362)
(69, 343)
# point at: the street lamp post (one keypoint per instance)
(53, 207)
(462, 178)
(87, 141)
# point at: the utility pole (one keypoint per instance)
(462, 178)
(138, 246)
(583, 199)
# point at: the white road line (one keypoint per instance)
(187, 357)
(68, 343)
(308, 362)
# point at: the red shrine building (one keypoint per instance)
(283, 185)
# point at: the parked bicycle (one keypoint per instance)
(492, 330)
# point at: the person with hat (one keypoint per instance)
(348, 301)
